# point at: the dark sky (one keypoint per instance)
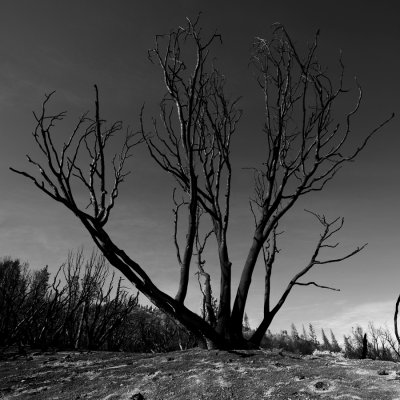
(69, 46)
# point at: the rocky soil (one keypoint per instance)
(195, 374)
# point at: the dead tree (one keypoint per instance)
(63, 170)
(193, 144)
(304, 149)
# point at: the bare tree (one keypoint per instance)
(64, 169)
(304, 149)
(193, 144)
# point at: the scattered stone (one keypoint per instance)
(321, 385)
(383, 372)
(170, 358)
(137, 396)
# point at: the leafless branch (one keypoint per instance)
(317, 285)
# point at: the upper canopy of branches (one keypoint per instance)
(305, 145)
(62, 166)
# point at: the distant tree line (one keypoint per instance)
(305, 342)
(85, 307)
(82, 307)
(374, 343)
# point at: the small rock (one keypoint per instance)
(321, 385)
(383, 372)
(170, 358)
(137, 396)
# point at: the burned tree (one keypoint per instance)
(193, 144)
(304, 149)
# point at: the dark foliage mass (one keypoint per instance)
(374, 343)
(83, 306)
(305, 343)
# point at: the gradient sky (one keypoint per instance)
(69, 46)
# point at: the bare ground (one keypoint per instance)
(196, 374)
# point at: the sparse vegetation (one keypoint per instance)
(84, 307)
(379, 343)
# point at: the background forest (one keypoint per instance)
(84, 307)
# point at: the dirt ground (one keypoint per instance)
(196, 374)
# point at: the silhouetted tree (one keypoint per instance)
(294, 333)
(334, 343)
(82, 309)
(313, 336)
(325, 342)
(304, 334)
(305, 146)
